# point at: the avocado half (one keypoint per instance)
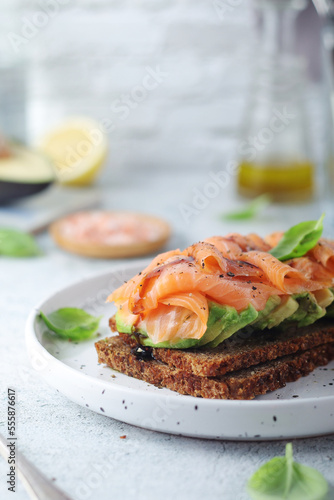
(23, 173)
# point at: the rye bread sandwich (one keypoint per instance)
(230, 317)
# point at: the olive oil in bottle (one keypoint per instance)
(293, 181)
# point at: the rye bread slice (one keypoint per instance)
(246, 348)
(242, 384)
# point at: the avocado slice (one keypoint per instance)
(261, 321)
(330, 308)
(177, 344)
(235, 323)
(285, 309)
(308, 311)
(220, 317)
(121, 325)
(300, 313)
(324, 297)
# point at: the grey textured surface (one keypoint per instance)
(82, 61)
(90, 56)
(82, 450)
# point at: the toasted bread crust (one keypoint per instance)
(242, 384)
(236, 355)
(242, 350)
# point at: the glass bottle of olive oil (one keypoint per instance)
(274, 151)
(292, 181)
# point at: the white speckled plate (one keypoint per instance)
(302, 408)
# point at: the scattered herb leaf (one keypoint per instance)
(251, 210)
(14, 243)
(299, 239)
(71, 323)
(283, 479)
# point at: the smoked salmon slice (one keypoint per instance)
(185, 276)
(226, 246)
(209, 258)
(250, 242)
(181, 316)
(323, 252)
(274, 238)
(281, 275)
(170, 299)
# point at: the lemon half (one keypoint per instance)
(78, 149)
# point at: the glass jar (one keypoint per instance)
(274, 152)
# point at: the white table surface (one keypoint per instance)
(82, 451)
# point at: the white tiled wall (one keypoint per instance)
(88, 56)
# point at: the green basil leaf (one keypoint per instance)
(283, 479)
(71, 323)
(251, 210)
(299, 239)
(15, 243)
